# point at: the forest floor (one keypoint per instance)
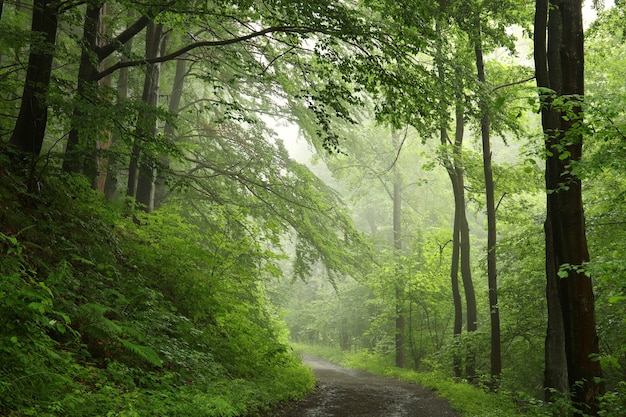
(342, 392)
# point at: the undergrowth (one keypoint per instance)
(102, 315)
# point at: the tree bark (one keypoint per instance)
(142, 174)
(465, 244)
(80, 157)
(459, 210)
(571, 324)
(492, 273)
(30, 127)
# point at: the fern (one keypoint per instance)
(93, 320)
(143, 352)
(97, 325)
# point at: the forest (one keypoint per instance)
(194, 192)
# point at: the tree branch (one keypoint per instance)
(203, 44)
(512, 83)
(106, 50)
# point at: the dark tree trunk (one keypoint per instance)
(464, 242)
(459, 208)
(80, 157)
(141, 174)
(456, 292)
(30, 127)
(81, 154)
(492, 273)
(571, 337)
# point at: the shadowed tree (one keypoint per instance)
(571, 340)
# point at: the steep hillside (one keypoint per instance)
(104, 313)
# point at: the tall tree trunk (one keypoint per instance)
(110, 184)
(571, 324)
(465, 246)
(141, 175)
(492, 273)
(459, 207)
(555, 372)
(161, 191)
(77, 153)
(397, 243)
(30, 127)
(81, 153)
(101, 162)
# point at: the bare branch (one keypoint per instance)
(512, 83)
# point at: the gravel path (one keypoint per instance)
(345, 392)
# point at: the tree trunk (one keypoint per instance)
(448, 162)
(143, 174)
(464, 241)
(102, 162)
(110, 184)
(459, 207)
(30, 127)
(161, 191)
(571, 324)
(77, 154)
(492, 277)
(397, 243)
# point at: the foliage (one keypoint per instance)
(102, 316)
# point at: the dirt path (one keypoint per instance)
(344, 392)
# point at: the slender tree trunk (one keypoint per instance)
(110, 184)
(397, 242)
(174, 106)
(459, 207)
(143, 173)
(30, 127)
(465, 244)
(456, 249)
(101, 162)
(571, 324)
(492, 277)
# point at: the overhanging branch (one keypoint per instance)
(204, 44)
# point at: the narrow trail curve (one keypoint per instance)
(345, 392)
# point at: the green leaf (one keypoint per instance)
(37, 306)
(617, 299)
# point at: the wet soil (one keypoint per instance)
(342, 392)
